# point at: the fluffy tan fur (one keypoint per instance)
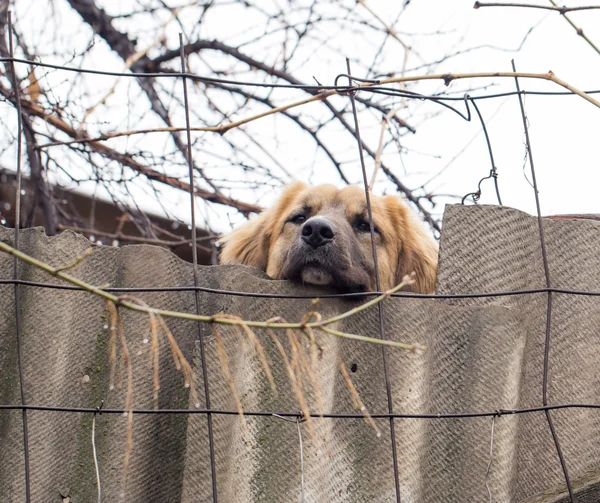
(403, 246)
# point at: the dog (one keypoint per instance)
(321, 236)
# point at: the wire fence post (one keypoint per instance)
(200, 327)
(17, 293)
(561, 458)
(388, 387)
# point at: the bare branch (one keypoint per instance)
(558, 8)
(154, 66)
(578, 30)
(126, 160)
(227, 319)
(101, 22)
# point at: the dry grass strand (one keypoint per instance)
(228, 377)
(256, 344)
(356, 398)
(180, 362)
(296, 386)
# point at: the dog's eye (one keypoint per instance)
(298, 219)
(363, 226)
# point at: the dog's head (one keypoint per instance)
(321, 235)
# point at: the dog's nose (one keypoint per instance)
(317, 232)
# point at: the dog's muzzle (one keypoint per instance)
(322, 255)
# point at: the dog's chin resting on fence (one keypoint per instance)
(321, 236)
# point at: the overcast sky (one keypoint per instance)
(564, 130)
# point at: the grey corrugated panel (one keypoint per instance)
(483, 354)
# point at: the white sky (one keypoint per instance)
(564, 130)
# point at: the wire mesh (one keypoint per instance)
(294, 416)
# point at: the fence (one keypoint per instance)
(497, 283)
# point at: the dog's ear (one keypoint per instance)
(249, 243)
(418, 250)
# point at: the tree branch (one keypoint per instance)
(153, 65)
(43, 195)
(119, 42)
(294, 118)
(321, 324)
(52, 119)
(578, 30)
(554, 7)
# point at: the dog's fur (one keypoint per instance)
(288, 242)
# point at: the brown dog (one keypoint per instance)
(321, 235)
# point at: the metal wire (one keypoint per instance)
(493, 172)
(299, 420)
(388, 388)
(200, 326)
(94, 453)
(198, 78)
(561, 458)
(265, 413)
(264, 295)
(15, 84)
(489, 467)
(295, 416)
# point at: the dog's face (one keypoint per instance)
(321, 236)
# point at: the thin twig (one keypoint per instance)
(449, 77)
(181, 363)
(390, 31)
(112, 343)
(77, 260)
(128, 396)
(304, 369)
(127, 160)
(228, 377)
(257, 347)
(384, 123)
(138, 239)
(558, 8)
(322, 325)
(132, 60)
(154, 346)
(554, 7)
(579, 30)
(294, 380)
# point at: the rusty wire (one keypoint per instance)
(559, 452)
